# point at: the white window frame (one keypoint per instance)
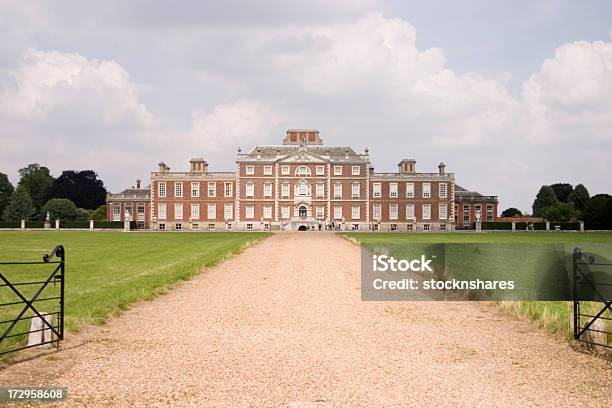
(426, 190)
(285, 170)
(211, 211)
(285, 190)
(393, 211)
(320, 212)
(249, 189)
(337, 170)
(195, 211)
(195, 189)
(320, 190)
(161, 189)
(249, 211)
(356, 190)
(228, 189)
(376, 189)
(320, 170)
(212, 189)
(337, 212)
(285, 212)
(302, 171)
(178, 189)
(267, 170)
(356, 212)
(268, 189)
(337, 190)
(442, 190)
(442, 211)
(116, 213)
(161, 211)
(178, 211)
(410, 190)
(267, 212)
(426, 211)
(249, 170)
(393, 190)
(228, 211)
(377, 212)
(410, 211)
(356, 170)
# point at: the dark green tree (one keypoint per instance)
(6, 191)
(545, 198)
(562, 191)
(560, 212)
(83, 188)
(579, 197)
(511, 212)
(20, 206)
(598, 212)
(61, 209)
(38, 181)
(99, 214)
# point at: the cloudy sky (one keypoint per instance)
(510, 95)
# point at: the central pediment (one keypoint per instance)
(302, 156)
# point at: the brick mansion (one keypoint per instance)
(297, 185)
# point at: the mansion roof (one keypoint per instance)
(305, 152)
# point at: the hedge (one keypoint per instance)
(539, 226)
(36, 224)
(10, 224)
(74, 224)
(108, 224)
(490, 225)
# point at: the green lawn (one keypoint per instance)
(107, 271)
(553, 316)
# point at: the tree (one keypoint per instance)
(38, 181)
(99, 214)
(579, 197)
(511, 212)
(560, 212)
(562, 191)
(545, 198)
(61, 209)
(6, 191)
(83, 214)
(20, 206)
(83, 188)
(598, 212)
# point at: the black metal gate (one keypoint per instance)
(592, 281)
(22, 290)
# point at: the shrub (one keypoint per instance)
(61, 209)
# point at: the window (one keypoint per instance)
(426, 211)
(229, 190)
(376, 190)
(285, 190)
(489, 212)
(320, 190)
(477, 207)
(410, 211)
(337, 212)
(320, 212)
(426, 190)
(303, 189)
(250, 189)
(228, 211)
(178, 189)
(117, 213)
(355, 190)
(466, 213)
(355, 212)
(376, 212)
(393, 190)
(195, 226)
(426, 227)
(442, 190)
(443, 211)
(161, 211)
(285, 170)
(337, 170)
(228, 226)
(161, 187)
(195, 189)
(285, 211)
(249, 227)
(302, 171)
(212, 211)
(212, 189)
(267, 170)
(267, 211)
(268, 190)
(337, 190)
(211, 227)
(393, 227)
(355, 170)
(442, 227)
(393, 211)
(250, 211)
(410, 190)
(320, 170)
(141, 210)
(195, 211)
(178, 211)
(410, 227)
(375, 227)
(250, 170)
(178, 226)
(162, 227)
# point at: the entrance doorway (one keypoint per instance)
(302, 211)
(302, 228)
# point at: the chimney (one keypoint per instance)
(198, 165)
(407, 166)
(137, 183)
(163, 168)
(441, 167)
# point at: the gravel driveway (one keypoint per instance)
(283, 325)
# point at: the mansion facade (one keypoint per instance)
(298, 185)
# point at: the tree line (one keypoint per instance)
(73, 196)
(562, 202)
